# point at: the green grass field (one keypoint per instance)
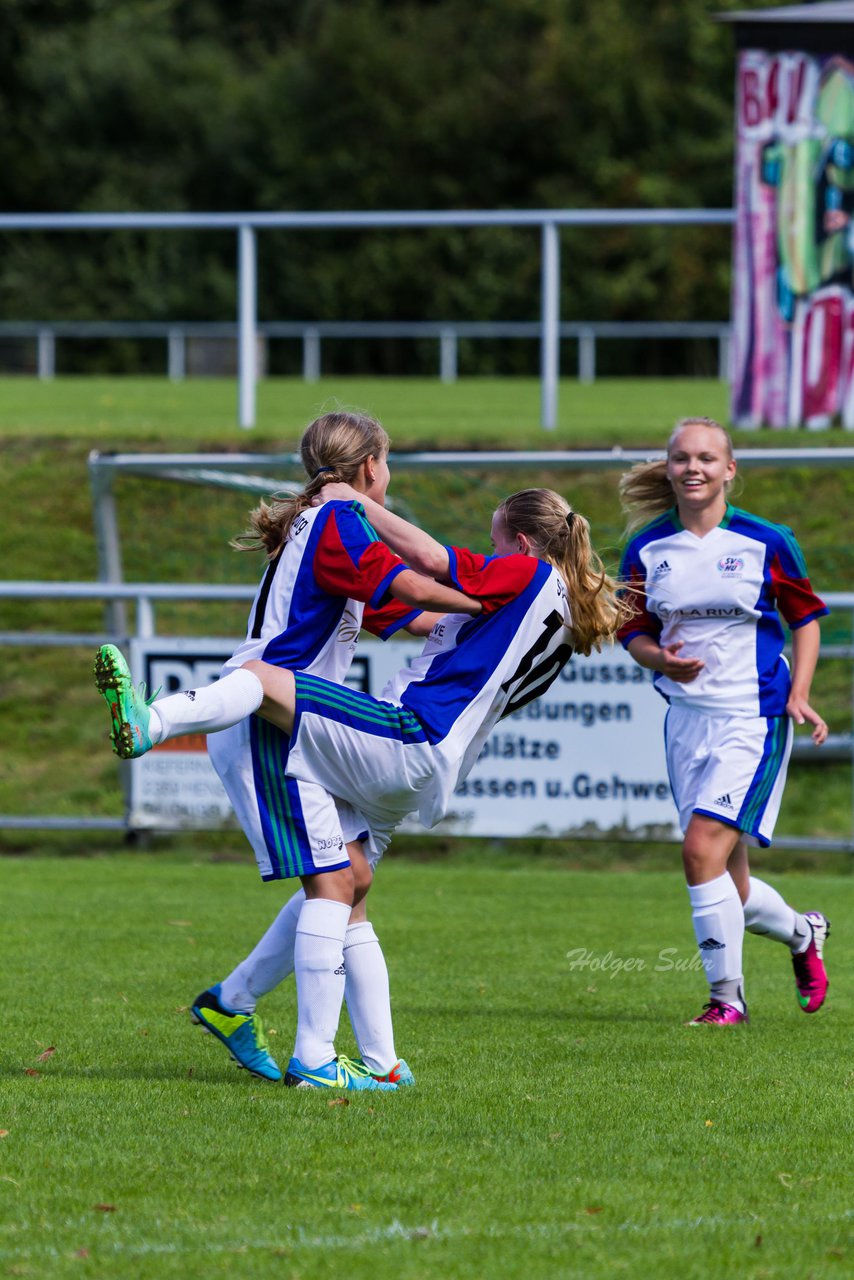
(564, 1121)
(418, 412)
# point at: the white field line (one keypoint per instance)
(299, 1238)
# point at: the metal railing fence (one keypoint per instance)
(547, 222)
(311, 335)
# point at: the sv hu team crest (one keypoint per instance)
(731, 567)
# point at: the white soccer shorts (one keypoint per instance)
(732, 768)
(375, 754)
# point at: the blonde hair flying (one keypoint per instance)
(562, 537)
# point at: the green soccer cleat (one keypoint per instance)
(128, 706)
(340, 1073)
(241, 1033)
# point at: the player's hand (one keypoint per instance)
(682, 670)
(336, 491)
(802, 713)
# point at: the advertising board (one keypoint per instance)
(587, 758)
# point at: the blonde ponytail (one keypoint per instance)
(645, 492)
(562, 537)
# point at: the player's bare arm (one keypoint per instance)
(806, 642)
(425, 593)
(423, 624)
(412, 544)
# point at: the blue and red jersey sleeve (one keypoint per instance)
(633, 590)
(795, 598)
(389, 618)
(493, 580)
(350, 560)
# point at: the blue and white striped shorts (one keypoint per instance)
(295, 828)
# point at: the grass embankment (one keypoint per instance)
(418, 412)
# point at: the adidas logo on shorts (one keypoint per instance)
(724, 802)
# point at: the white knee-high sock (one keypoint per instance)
(768, 914)
(366, 991)
(269, 962)
(718, 919)
(319, 967)
(214, 706)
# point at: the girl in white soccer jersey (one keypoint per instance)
(709, 584)
(328, 575)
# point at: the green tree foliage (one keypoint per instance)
(364, 104)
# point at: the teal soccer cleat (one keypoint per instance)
(400, 1073)
(340, 1073)
(241, 1033)
(128, 706)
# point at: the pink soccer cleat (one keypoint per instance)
(810, 973)
(718, 1014)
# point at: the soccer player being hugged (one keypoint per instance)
(327, 576)
(709, 585)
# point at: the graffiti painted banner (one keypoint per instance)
(586, 758)
(792, 305)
